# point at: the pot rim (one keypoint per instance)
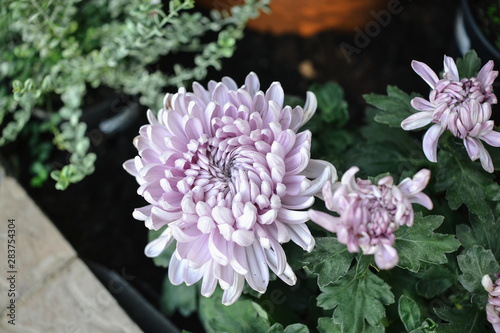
(467, 12)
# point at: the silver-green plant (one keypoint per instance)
(53, 50)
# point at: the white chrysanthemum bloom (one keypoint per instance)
(227, 170)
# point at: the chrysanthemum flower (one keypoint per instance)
(461, 106)
(370, 214)
(493, 306)
(227, 170)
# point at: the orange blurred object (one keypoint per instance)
(306, 18)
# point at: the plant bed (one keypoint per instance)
(95, 215)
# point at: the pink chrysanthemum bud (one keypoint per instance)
(227, 170)
(461, 106)
(493, 306)
(370, 214)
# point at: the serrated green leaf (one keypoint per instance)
(420, 244)
(377, 132)
(329, 260)
(395, 106)
(467, 319)
(180, 298)
(245, 316)
(485, 233)
(293, 328)
(469, 65)
(474, 264)
(464, 181)
(376, 158)
(327, 325)
(435, 281)
(357, 303)
(363, 265)
(409, 313)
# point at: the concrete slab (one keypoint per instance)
(50, 288)
(40, 250)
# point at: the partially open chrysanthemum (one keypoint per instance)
(493, 306)
(370, 214)
(461, 106)
(227, 170)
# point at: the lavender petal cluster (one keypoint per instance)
(462, 106)
(228, 172)
(370, 214)
(493, 306)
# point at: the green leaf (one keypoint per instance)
(420, 244)
(182, 298)
(327, 325)
(294, 328)
(395, 105)
(469, 65)
(402, 140)
(427, 326)
(435, 281)
(331, 104)
(376, 158)
(329, 260)
(464, 181)
(409, 313)
(474, 264)
(485, 233)
(465, 318)
(357, 303)
(245, 316)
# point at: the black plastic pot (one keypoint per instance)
(145, 315)
(468, 35)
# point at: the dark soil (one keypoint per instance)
(96, 214)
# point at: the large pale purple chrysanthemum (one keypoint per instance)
(227, 170)
(370, 214)
(461, 106)
(493, 306)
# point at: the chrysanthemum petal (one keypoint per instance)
(417, 120)
(258, 274)
(430, 142)
(425, 73)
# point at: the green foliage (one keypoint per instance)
(409, 313)
(395, 106)
(329, 260)
(474, 264)
(54, 50)
(294, 328)
(331, 103)
(485, 233)
(469, 65)
(180, 298)
(420, 244)
(246, 316)
(465, 182)
(464, 318)
(332, 113)
(435, 280)
(358, 303)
